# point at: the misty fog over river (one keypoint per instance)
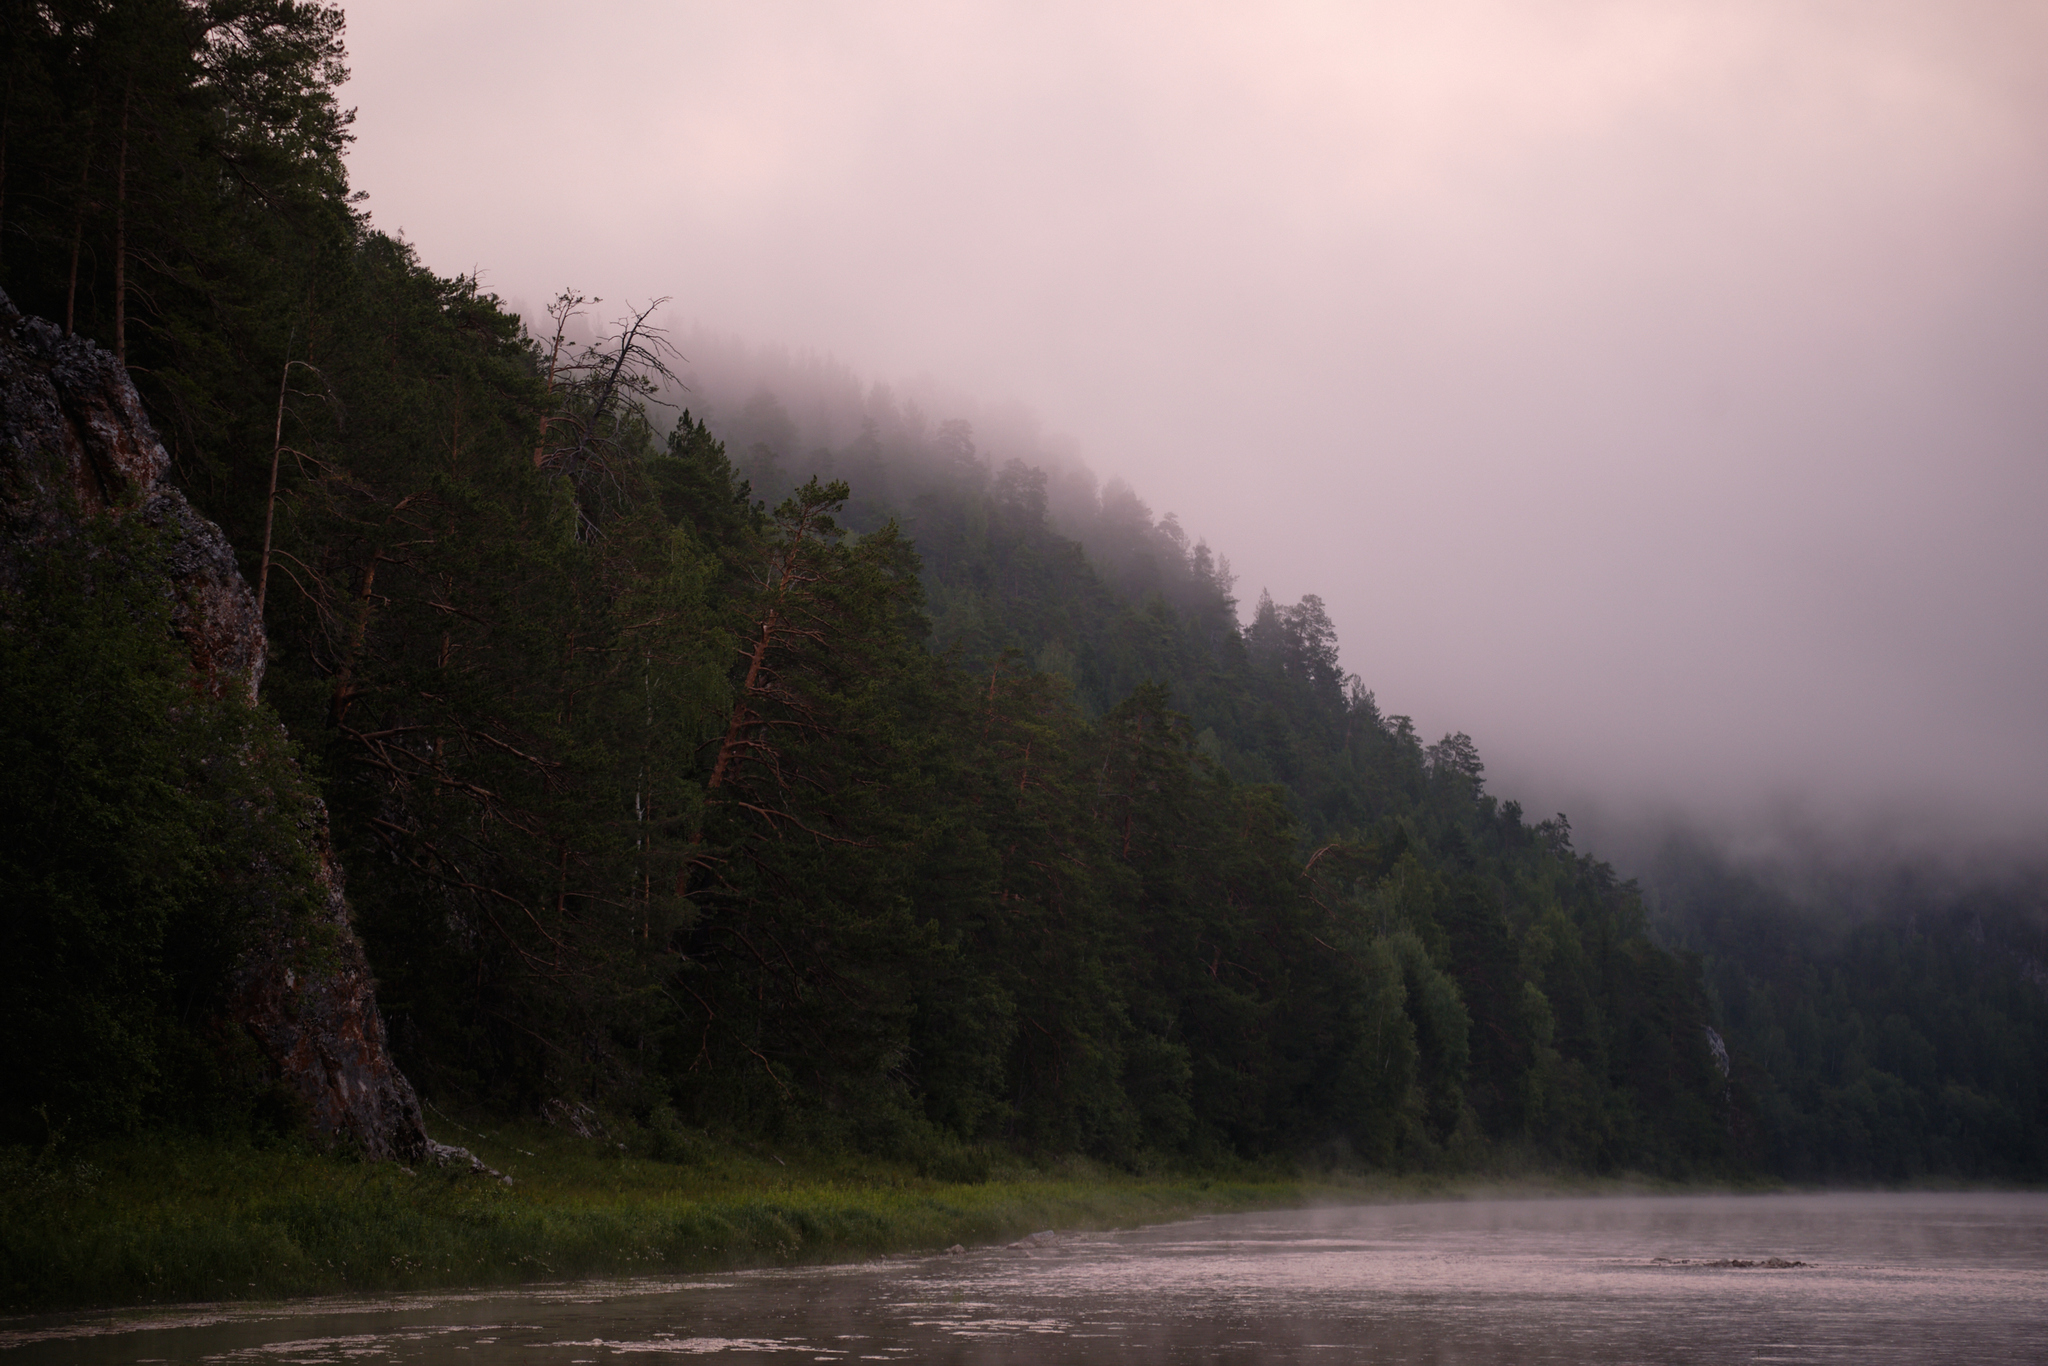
(1796, 1278)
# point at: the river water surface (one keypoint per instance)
(1885, 1278)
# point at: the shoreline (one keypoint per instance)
(184, 1221)
(180, 1220)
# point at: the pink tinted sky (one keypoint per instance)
(1657, 392)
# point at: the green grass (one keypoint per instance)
(182, 1219)
(178, 1218)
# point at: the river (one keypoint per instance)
(1880, 1278)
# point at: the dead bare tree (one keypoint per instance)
(277, 452)
(598, 396)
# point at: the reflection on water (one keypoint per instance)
(1886, 1278)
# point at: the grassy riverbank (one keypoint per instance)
(175, 1219)
(181, 1219)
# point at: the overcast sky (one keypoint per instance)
(1656, 392)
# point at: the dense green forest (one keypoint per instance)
(873, 792)
(1887, 1021)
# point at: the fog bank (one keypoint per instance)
(1653, 391)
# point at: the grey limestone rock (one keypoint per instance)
(75, 444)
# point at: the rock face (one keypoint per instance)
(323, 1032)
(75, 444)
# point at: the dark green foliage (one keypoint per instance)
(143, 826)
(891, 816)
(1882, 1029)
(173, 188)
(507, 676)
(802, 955)
(1283, 922)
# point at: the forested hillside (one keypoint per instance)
(1889, 1020)
(861, 794)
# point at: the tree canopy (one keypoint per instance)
(835, 793)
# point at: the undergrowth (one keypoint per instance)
(180, 1218)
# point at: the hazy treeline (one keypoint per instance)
(1889, 1021)
(785, 417)
(866, 790)
(1880, 1026)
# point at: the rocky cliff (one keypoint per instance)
(76, 447)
